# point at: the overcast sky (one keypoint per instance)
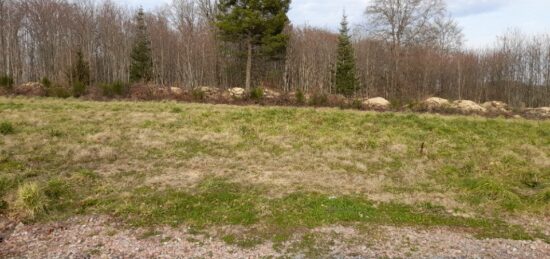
(482, 20)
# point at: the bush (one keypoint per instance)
(198, 95)
(257, 94)
(357, 104)
(6, 82)
(79, 89)
(46, 82)
(31, 199)
(300, 97)
(57, 91)
(319, 99)
(6, 128)
(117, 88)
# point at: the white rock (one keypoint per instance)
(176, 90)
(377, 103)
(237, 92)
(435, 103)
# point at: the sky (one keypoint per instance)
(481, 20)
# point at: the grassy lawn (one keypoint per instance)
(271, 171)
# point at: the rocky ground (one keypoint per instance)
(103, 237)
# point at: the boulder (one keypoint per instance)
(496, 106)
(176, 91)
(466, 106)
(209, 92)
(377, 103)
(237, 92)
(31, 89)
(435, 104)
(271, 94)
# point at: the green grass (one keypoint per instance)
(272, 171)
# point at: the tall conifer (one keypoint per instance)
(141, 66)
(345, 75)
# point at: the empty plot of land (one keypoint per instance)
(271, 179)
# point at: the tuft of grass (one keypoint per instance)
(31, 200)
(176, 110)
(242, 241)
(6, 128)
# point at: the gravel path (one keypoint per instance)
(102, 237)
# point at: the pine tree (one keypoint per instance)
(81, 70)
(345, 79)
(255, 23)
(141, 66)
(80, 75)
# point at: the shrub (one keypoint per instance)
(58, 91)
(6, 128)
(257, 94)
(31, 199)
(79, 89)
(6, 82)
(198, 95)
(319, 99)
(117, 88)
(46, 82)
(357, 104)
(300, 97)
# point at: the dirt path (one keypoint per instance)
(103, 237)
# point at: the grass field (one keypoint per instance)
(272, 171)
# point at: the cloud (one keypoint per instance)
(463, 8)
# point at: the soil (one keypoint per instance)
(104, 237)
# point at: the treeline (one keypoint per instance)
(422, 56)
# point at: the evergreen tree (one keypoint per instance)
(141, 66)
(81, 70)
(80, 75)
(345, 79)
(256, 23)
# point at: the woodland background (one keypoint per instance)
(40, 38)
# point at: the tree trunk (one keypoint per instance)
(249, 65)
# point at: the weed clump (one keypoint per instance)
(6, 128)
(31, 199)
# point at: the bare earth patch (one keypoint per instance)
(103, 237)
